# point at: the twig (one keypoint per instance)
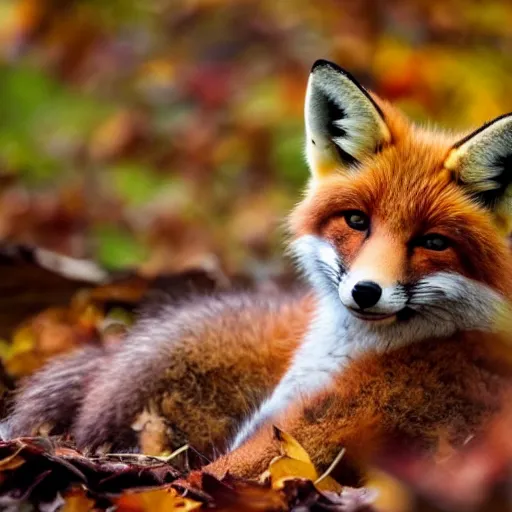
(167, 458)
(331, 467)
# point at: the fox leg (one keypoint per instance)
(320, 437)
(338, 417)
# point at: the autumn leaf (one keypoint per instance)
(296, 463)
(290, 447)
(77, 501)
(284, 467)
(159, 500)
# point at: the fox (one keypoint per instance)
(403, 236)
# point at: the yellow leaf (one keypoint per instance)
(291, 447)
(5, 349)
(91, 317)
(296, 463)
(24, 340)
(22, 364)
(283, 468)
(328, 484)
(391, 495)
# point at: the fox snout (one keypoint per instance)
(371, 284)
(363, 287)
(366, 295)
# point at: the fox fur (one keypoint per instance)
(421, 215)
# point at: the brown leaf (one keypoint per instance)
(117, 135)
(33, 280)
(234, 495)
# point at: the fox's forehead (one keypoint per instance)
(407, 184)
(404, 186)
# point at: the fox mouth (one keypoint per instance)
(400, 315)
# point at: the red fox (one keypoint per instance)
(403, 238)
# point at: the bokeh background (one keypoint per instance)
(167, 134)
(156, 136)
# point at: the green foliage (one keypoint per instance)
(117, 248)
(42, 123)
(288, 155)
(135, 184)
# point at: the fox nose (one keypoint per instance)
(366, 294)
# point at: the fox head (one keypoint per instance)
(400, 224)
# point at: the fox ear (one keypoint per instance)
(343, 122)
(482, 164)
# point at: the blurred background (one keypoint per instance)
(167, 134)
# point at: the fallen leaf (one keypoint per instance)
(296, 463)
(391, 495)
(159, 500)
(290, 446)
(283, 468)
(77, 501)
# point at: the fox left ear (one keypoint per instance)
(344, 124)
(482, 164)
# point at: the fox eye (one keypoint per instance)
(357, 220)
(433, 242)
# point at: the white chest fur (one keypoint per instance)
(334, 337)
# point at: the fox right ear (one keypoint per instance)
(482, 164)
(343, 122)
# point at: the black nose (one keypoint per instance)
(366, 294)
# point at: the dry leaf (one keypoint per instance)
(160, 500)
(290, 446)
(77, 501)
(283, 468)
(296, 463)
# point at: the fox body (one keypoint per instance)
(403, 237)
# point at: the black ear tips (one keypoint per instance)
(323, 63)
